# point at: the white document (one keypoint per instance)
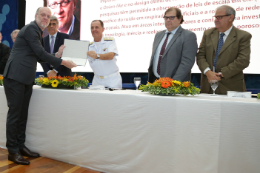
(97, 87)
(239, 94)
(76, 51)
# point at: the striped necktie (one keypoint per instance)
(161, 53)
(220, 44)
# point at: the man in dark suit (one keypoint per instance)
(224, 53)
(51, 43)
(19, 76)
(4, 55)
(174, 49)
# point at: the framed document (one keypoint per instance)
(76, 51)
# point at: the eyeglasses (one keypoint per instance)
(45, 15)
(53, 24)
(169, 17)
(220, 17)
(62, 4)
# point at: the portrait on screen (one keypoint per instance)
(68, 14)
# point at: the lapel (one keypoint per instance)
(47, 43)
(229, 40)
(214, 39)
(40, 32)
(157, 41)
(176, 35)
(57, 44)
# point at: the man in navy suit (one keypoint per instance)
(52, 42)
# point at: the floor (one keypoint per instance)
(39, 165)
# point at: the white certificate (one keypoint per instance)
(76, 51)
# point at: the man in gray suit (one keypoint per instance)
(19, 76)
(174, 49)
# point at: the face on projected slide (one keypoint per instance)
(171, 24)
(223, 21)
(97, 30)
(63, 10)
(42, 17)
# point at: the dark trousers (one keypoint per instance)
(18, 97)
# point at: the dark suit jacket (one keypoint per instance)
(75, 35)
(62, 70)
(233, 58)
(179, 55)
(4, 55)
(26, 51)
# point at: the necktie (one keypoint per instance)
(52, 44)
(220, 44)
(162, 52)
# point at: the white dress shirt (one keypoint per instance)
(224, 39)
(158, 50)
(71, 26)
(55, 35)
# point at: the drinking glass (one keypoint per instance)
(137, 81)
(214, 86)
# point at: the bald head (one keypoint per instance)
(42, 17)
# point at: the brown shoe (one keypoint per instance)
(18, 159)
(26, 152)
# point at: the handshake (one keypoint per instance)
(67, 63)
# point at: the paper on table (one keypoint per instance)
(76, 51)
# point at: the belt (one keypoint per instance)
(104, 77)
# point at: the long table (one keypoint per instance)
(133, 132)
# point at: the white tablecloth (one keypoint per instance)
(133, 132)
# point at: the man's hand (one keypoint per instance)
(52, 73)
(212, 76)
(60, 51)
(92, 54)
(220, 75)
(68, 64)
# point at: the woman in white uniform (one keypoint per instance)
(102, 58)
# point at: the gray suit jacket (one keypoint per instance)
(179, 55)
(26, 51)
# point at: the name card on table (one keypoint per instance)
(239, 94)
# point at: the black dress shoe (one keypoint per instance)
(26, 152)
(18, 158)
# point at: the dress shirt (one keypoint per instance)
(158, 50)
(71, 26)
(224, 39)
(55, 35)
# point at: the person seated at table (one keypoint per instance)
(102, 60)
(51, 43)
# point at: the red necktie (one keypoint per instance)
(161, 53)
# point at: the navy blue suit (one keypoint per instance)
(62, 70)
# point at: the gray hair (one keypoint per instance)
(38, 9)
(229, 10)
(54, 18)
(14, 32)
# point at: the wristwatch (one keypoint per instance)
(57, 53)
(98, 56)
